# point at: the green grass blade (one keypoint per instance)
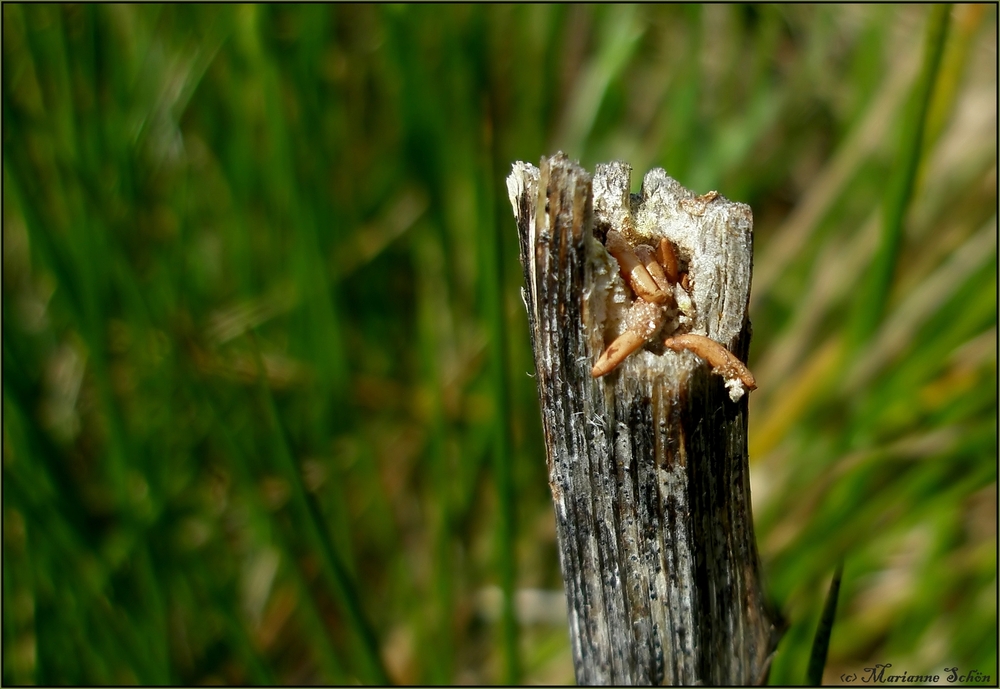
(899, 190)
(329, 657)
(821, 642)
(503, 471)
(309, 516)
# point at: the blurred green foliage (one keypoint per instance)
(267, 411)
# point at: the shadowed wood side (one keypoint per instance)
(648, 464)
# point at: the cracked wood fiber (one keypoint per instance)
(648, 464)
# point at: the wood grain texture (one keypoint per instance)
(648, 464)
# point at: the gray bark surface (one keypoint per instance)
(648, 464)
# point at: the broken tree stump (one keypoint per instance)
(647, 463)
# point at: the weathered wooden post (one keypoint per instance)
(648, 462)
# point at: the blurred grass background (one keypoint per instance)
(267, 411)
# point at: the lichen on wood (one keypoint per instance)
(648, 463)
